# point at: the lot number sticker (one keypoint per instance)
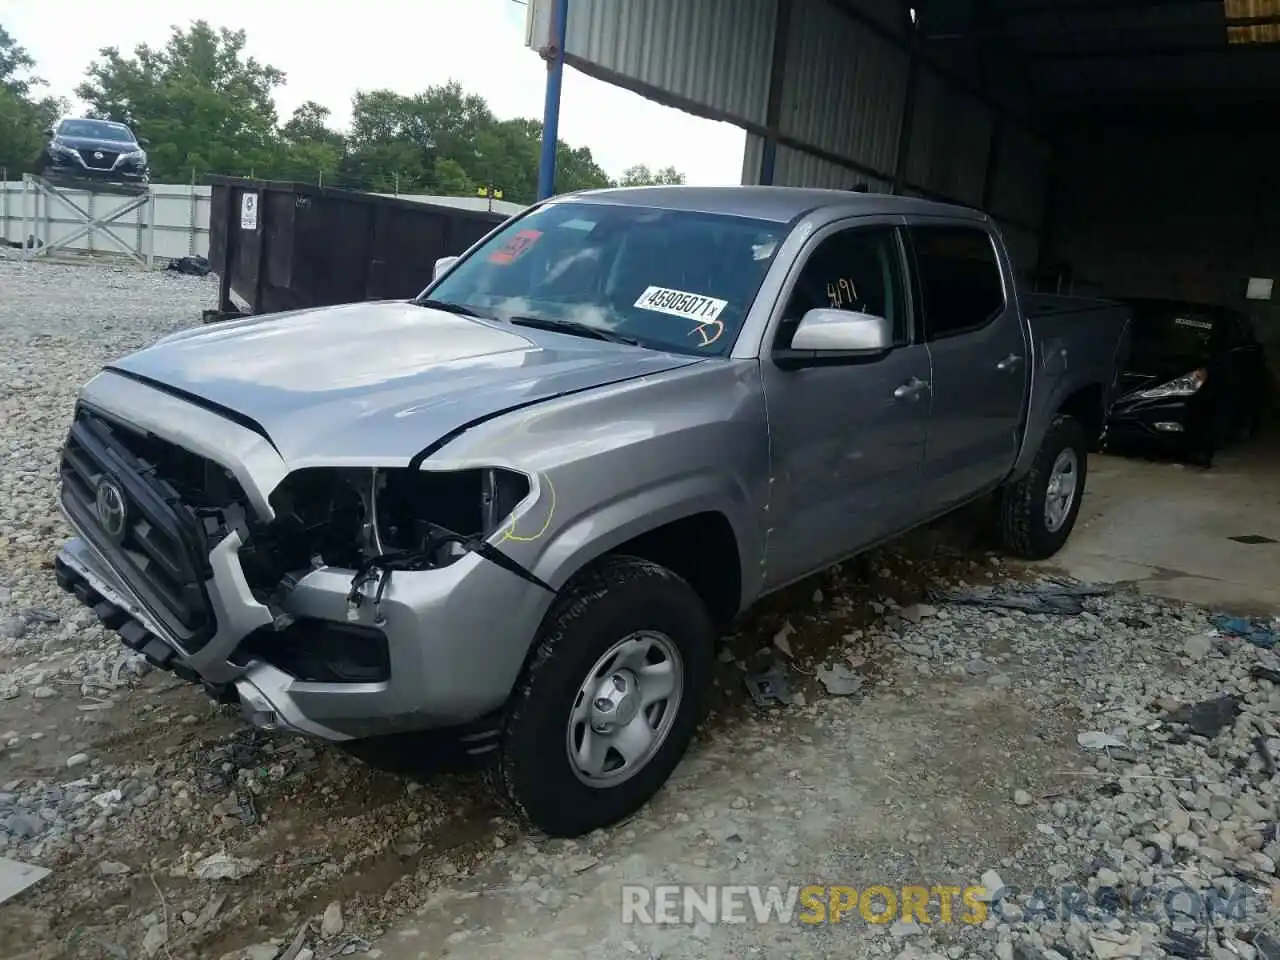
(1198, 324)
(678, 303)
(249, 211)
(515, 248)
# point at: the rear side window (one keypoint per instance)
(959, 276)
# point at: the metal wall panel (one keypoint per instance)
(950, 140)
(710, 56)
(1020, 186)
(1024, 248)
(843, 86)
(795, 168)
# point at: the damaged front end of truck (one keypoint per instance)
(331, 601)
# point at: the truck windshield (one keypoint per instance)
(667, 279)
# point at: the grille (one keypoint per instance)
(150, 493)
(90, 160)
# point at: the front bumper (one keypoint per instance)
(261, 689)
(121, 169)
(450, 660)
(1169, 424)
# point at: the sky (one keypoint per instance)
(403, 45)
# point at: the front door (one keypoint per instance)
(979, 352)
(846, 439)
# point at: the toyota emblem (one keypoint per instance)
(97, 155)
(112, 511)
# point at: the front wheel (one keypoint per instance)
(1037, 512)
(609, 700)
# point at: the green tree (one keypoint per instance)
(205, 106)
(641, 176)
(310, 124)
(451, 180)
(201, 102)
(23, 119)
(308, 150)
(446, 141)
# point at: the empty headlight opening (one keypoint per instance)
(424, 521)
(411, 506)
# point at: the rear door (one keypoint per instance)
(846, 438)
(979, 355)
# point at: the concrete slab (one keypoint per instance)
(1168, 528)
(16, 876)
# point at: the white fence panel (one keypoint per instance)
(181, 214)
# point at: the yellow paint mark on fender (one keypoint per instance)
(510, 532)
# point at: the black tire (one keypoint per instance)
(604, 604)
(1202, 451)
(1021, 525)
(1210, 436)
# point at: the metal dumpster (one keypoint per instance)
(287, 246)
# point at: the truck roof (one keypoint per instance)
(779, 204)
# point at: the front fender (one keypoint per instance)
(607, 525)
(612, 463)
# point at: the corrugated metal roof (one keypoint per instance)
(708, 54)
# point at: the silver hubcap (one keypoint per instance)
(1061, 494)
(624, 709)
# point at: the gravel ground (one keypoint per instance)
(952, 756)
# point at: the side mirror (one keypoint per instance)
(832, 336)
(144, 141)
(442, 267)
(51, 132)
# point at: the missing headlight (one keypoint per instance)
(471, 503)
(323, 518)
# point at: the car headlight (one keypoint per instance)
(134, 155)
(63, 149)
(1183, 386)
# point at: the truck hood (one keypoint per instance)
(375, 383)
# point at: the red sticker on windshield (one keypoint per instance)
(515, 248)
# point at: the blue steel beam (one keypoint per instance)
(551, 106)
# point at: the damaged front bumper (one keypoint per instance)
(261, 689)
(446, 667)
(431, 654)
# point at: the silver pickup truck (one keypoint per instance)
(522, 506)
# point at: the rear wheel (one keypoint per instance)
(1036, 513)
(1203, 450)
(1209, 438)
(609, 700)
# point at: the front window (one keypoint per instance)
(96, 130)
(668, 279)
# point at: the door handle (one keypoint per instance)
(1010, 362)
(911, 390)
